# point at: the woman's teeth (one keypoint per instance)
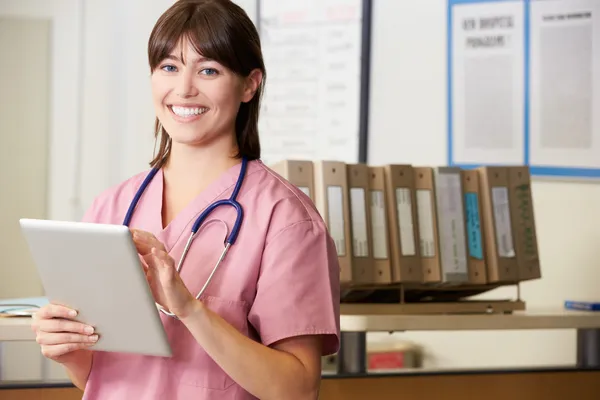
(187, 111)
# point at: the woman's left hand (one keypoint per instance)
(167, 287)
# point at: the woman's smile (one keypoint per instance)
(187, 113)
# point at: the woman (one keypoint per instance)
(272, 308)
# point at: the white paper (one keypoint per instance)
(504, 239)
(405, 222)
(451, 225)
(425, 217)
(335, 212)
(312, 52)
(565, 66)
(487, 83)
(379, 225)
(358, 209)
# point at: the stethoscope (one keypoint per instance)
(232, 201)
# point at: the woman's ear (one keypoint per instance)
(251, 85)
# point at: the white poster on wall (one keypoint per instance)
(311, 107)
(487, 83)
(564, 104)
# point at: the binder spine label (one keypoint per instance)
(335, 212)
(405, 222)
(379, 225)
(525, 226)
(504, 239)
(425, 218)
(473, 225)
(360, 244)
(453, 247)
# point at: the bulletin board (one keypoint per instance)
(316, 100)
(523, 85)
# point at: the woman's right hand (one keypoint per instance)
(59, 335)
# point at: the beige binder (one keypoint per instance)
(475, 245)
(298, 173)
(332, 201)
(523, 222)
(380, 226)
(500, 255)
(451, 225)
(360, 222)
(428, 225)
(402, 220)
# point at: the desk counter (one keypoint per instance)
(16, 329)
(373, 319)
(357, 320)
(367, 318)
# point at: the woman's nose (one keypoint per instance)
(185, 86)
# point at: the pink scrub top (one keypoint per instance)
(279, 280)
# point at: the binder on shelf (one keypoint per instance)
(582, 305)
(402, 220)
(475, 246)
(428, 225)
(379, 226)
(298, 173)
(360, 222)
(523, 223)
(500, 255)
(451, 224)
(332, 201)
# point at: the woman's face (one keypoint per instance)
(197, 99)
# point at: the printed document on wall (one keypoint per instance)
(487, 79)
(311, 105)
(564, 91)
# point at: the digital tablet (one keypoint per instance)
(95, 269)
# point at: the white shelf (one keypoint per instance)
(19, 328)
(518, 320)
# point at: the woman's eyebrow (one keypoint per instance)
(195, 61)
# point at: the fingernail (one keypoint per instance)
(93, 338)
(89, 329)
(72, 313)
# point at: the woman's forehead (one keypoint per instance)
(186, 50)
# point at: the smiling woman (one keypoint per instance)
(196, 75)
(264, 318)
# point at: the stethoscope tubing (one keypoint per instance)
(231, 238)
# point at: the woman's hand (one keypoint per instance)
(59, 335)
(167, 287)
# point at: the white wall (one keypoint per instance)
(118, 114)
(407, 124)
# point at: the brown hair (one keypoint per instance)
(219, 30)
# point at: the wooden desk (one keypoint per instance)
(538, 384)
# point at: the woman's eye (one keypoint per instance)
(169, 68)
(209, 71)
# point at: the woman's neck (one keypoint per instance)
(197, 166)
(189, 171)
